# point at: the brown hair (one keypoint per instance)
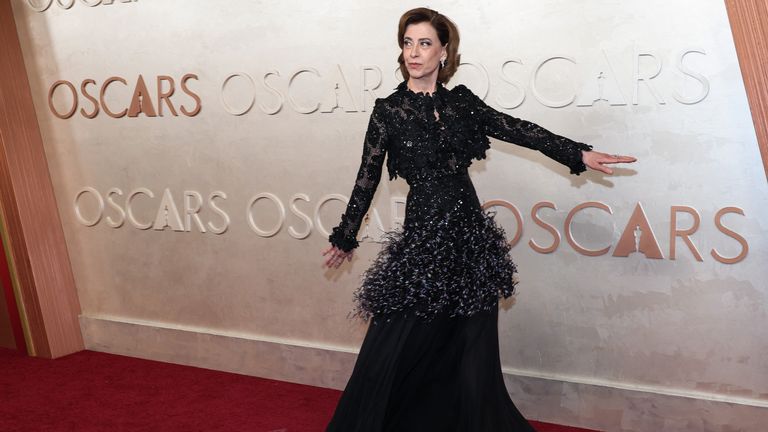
(447, 32)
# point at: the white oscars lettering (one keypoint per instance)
(693, 74)
(365, 232)
(274, 92)
(601, 84)
(280, 219)
(517, 86)
(191, 209)
(324, 199)
(116, 207)
(637, 77)
(540, 97)
(342, 94)
(43, 5)
(599, 81)
(219, 211)
(485, 78)
(167, 214)
(129, 208)
(251, 89)
(39, 5)
(100, 205)
(339, 97)
(369, 87)
(301, 215)
(296, 106)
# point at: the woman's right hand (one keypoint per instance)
(337, 256)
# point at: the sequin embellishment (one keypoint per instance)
(450, 255)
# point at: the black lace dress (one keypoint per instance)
(430, 357)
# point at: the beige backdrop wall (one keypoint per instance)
(283, 94)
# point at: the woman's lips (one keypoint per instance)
(413, 65)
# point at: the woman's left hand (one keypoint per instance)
(337, 256)
(595, 160)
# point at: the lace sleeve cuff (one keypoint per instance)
(576, 164)
(338, 239)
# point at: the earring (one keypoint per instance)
(442, 62)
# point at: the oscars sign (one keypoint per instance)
(130, 97)
(637, 236)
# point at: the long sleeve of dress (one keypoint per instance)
(344, 236)
(511, 129)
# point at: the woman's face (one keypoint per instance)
(422, 50)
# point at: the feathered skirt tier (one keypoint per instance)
(450, 257)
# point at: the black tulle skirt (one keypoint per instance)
(430, 358)
(438, 376)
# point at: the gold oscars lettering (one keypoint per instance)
(150, 101)
(636, 237)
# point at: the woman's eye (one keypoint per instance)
(423, 43)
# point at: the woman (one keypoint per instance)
(430, 357)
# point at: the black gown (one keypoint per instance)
(430, 361)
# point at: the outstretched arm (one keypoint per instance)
(511, 129)
(344, 235)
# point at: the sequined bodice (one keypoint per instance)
(425, 150)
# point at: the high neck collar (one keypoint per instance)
(439, 90)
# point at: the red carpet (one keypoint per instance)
(93, 391)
